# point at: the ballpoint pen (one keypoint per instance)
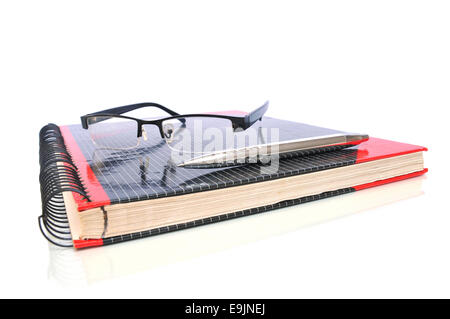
(246, 154)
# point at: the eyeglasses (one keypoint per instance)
(191, 132)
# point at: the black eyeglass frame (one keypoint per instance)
(238, 122)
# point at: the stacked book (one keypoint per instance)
(95, 196)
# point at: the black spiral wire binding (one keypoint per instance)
(58, 174)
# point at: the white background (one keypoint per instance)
(377, 67)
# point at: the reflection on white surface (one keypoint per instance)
(75, 267)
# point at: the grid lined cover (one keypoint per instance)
(147, 171)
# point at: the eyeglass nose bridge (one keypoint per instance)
(141, 128)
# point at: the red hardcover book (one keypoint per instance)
(93, 197)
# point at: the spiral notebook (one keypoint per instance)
(93, 197)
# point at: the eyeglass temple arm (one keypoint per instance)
(255, 115)
(127, 108)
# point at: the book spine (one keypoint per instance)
(58, 174)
